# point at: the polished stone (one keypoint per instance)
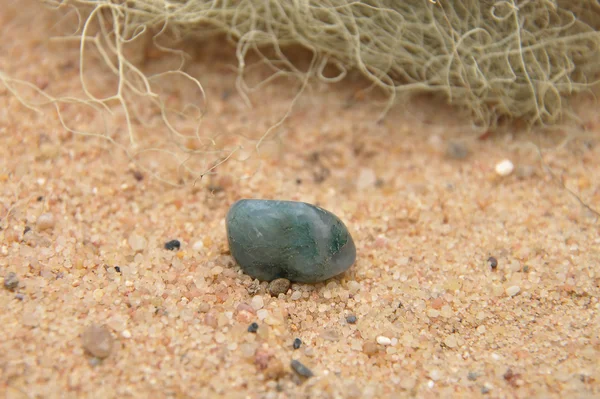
(286, 239)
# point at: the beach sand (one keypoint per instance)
(84, 227)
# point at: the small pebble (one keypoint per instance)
(137, 175)
(45, 221)
(381, 340)
(248, 349)
(172, 245)
(257, 302)
(297, 343)
(97, 341)
(279, 286)
(524, 171)
(263, 333)
(274, 370)
(437, 303)
(136, 242)
(262, 314)
(301, 369)
(117, 269)
(370, 348)
(252, 328)
(504, 168)
(513, 290)
(94, 361)
(11, 282)
(457, 150)
(493, 262)
(472, 376)
(198, 245)
(450, 341)
(309, 351)
(296, 295)
(351, 319)
(262, 358)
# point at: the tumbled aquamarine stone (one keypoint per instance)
(286, 239)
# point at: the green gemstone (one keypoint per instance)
(286, 239)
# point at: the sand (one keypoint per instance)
(434, 319)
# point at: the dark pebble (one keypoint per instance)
(279, 286)
(40, 198)
(297, 343)
(351, 319)
(253, 327)
(485, 390)
(457, 150)
(26, 230)
(11, 282)
(301, 369)
(493, 262)
(138, 175)
(95, 361)
(172, 245)
(472, 376)
(20, 296)
(117, 269)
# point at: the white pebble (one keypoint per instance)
(45, 221)
(505, 167)
(262, 314)
(451, 341)
(296, 295)
(354, 286)
(126, 334)
(220, 337)
(257, 302)
(513, 290)
(435, 374)
(381, 340)
(198, 245)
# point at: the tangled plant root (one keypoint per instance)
(499, 60)
(514, 59)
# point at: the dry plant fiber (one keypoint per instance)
(497, 59)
